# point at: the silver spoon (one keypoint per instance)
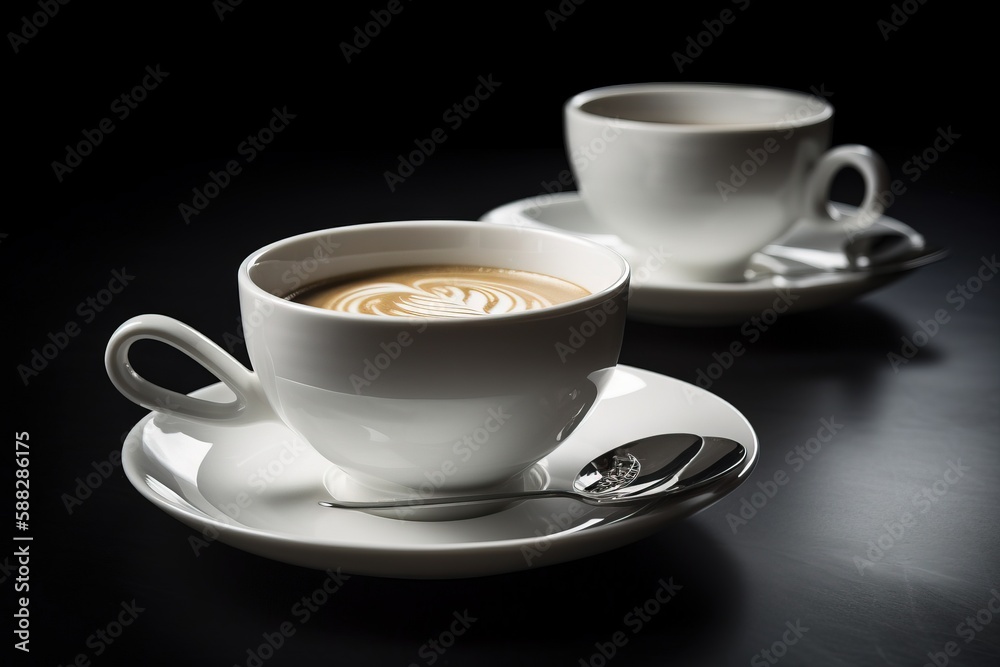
(643, 469)
(885, 247)
(867, 256)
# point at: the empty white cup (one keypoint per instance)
(711, 172)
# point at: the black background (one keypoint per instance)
(893, 90)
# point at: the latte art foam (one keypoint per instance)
(442, 291)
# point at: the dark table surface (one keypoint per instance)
(880, 547)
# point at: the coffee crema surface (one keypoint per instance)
(440, 291)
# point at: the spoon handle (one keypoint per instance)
(666, 488)
(454, 500)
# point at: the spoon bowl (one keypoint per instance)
(640, 470)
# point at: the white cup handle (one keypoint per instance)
(250, 404)
(876, 177)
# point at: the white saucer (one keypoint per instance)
(257, 487)
(658, 299)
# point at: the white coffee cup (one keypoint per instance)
(430, 406)
(711, 172)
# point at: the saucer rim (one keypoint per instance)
(513, 210)
(633, 525)
(686, 304)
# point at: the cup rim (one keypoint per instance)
(575, 106)
(567, 307)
